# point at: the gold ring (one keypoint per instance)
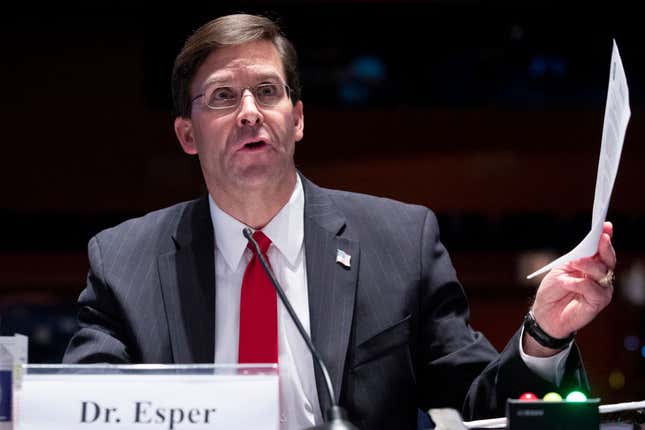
(607, 280)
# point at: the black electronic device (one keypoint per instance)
(552, 415)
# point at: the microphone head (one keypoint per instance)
(247, 232)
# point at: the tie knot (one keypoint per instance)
(263, 241)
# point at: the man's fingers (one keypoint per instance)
(594, 294)
(608, 228)
(591, 268)
(606, 251)
(598, 268)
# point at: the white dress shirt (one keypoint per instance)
(299, 405)
(549, 368)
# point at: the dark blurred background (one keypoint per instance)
(490, 113)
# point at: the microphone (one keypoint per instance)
(335, 417)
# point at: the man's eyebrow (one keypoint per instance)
(268, 77)
(216, 80)
(228, 78)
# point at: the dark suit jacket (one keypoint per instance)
(393, 328)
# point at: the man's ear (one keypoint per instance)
(299, 120)
(184, 132)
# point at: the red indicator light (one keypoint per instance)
(528, 396)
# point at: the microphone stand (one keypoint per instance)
(335, 417)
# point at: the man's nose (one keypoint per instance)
(249, 114)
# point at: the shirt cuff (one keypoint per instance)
(548, 368)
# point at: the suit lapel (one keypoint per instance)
(331, 286)
(187, 276)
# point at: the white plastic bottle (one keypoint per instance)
(6, 388)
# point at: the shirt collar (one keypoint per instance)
(286, 230)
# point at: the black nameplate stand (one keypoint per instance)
(561, 415)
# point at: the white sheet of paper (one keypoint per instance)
(617, 115)
(446, 419)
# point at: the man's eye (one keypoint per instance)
(224, 93)
(268, 90)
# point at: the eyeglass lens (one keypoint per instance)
(265, 95)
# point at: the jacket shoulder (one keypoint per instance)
(381, 209)
(150, 231)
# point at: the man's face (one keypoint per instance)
(247, 146)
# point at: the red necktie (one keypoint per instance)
(258, 310)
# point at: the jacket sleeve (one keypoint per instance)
(459, 368)
(508, 377)
(102, 336)
(451, 354)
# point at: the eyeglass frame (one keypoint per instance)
(252, 89)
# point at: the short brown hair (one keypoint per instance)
(226, 31)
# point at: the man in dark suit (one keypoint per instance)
(369, 277)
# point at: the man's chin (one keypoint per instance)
(262, 177)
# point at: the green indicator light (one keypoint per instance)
(576, 396)
(552, 397)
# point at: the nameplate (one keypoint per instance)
(149, 400)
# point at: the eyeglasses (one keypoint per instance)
(266, 95)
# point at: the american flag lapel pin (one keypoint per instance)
(343, 258)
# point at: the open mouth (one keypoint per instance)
(255, 145)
